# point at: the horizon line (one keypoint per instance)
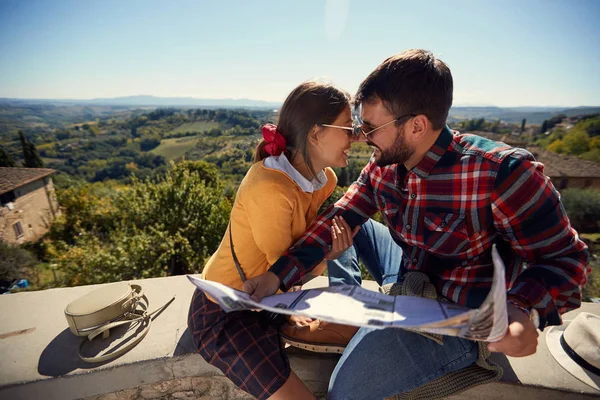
(260, 100)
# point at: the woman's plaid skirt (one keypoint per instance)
(245, 345)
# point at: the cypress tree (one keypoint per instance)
(5, 159)
(30, 153)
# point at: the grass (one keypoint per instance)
(81, 124)
(594, 237)
(592, 287)
(176, 147)
(54, 161)
(47, 277)
(41, 276)
(196, 126)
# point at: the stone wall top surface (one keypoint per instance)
(38, 352)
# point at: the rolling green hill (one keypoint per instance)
(174, 148)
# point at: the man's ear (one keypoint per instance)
(418, 126)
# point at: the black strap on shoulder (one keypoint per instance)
(235, 260)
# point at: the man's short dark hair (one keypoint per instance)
(412, 82)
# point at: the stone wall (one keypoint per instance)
(38, 357)
(35, 207)
(191, 388)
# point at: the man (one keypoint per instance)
(446, 198)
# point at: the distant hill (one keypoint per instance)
(533, 115)
(133, 101)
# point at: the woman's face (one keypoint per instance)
(333, 144)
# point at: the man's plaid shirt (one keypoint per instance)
(466, 194)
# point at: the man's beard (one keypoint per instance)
(398, 154)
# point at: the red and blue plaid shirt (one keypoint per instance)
(466, 194)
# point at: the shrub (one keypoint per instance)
(592, 287)
(15, 263)
(148, 229)
(583, 208)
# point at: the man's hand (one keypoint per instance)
(261, 286)
(521, 339)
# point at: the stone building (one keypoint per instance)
(568, 171)
(565, 171)
(27, 203)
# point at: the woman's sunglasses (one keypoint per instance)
(357, 123)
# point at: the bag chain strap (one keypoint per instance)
(235, 259)
(271, 315)
(134, 315)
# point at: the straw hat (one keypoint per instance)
(576, 347)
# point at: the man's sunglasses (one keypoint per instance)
(357, 123)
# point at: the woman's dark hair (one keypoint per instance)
(311, 103)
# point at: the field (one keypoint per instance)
(196, 126)
(81, 124)
(52, 161)
(594, 237)
(176, 147)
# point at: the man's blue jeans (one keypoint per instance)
(379, 363)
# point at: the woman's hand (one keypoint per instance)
(342, 237)
(262, 285)
(299, 320)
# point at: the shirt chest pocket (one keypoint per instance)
(388, 203)
(446, 234)
(389, 208)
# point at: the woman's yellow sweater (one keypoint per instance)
(269, 214)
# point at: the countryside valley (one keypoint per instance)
(146, 191)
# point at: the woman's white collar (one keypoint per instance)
(281, 163)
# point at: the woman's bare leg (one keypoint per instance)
(293, 388)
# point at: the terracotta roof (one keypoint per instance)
(12, 178)
(560, 165)
(555, 165)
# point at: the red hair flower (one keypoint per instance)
(275, 142)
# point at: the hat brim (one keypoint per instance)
(553, 341)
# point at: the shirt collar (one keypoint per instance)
(431, 158)
(281, 163)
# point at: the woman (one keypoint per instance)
(276, 201)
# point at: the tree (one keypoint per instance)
(62, 134)
(576, 142)
(343, 178)
(495, 126)
(30, 153)
(523, 125)
(150, 142)
(5, 159)
(591, 125)
(544, 127)
(583, 208)
(15, 263)
(557, 146)
(207, 172)
(166, 226)
(94, 130)
(592, 155)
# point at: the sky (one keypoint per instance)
(502, 52)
